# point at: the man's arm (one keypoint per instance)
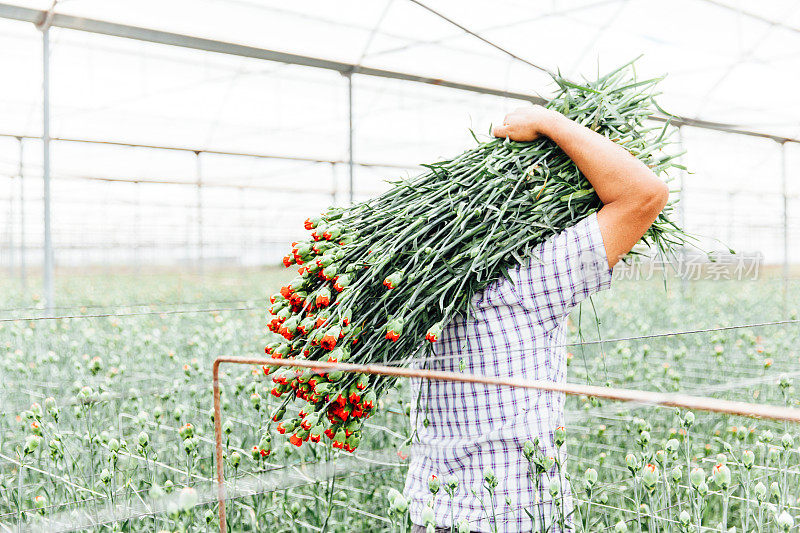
(632, 195)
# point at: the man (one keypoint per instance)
(519, 330)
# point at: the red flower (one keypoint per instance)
(281, 429)
(434, 332)
(394, 329)
(288, 260)
(323, 298)
(330, 338)
(354, 398)
(286, 292)
(294, 439)
(393, 280)
(342, 282)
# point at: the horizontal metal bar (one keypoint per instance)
(209, 45)
(683, 401)
(258, 155)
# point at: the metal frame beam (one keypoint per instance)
(49, 266)
(101, 27)
(258, 155)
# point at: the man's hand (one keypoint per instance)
(526, 123)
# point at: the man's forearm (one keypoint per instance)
(613, 172)
(632, 195)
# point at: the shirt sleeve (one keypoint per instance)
(567, 268)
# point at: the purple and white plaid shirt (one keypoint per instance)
(516, 330)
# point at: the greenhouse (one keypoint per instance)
(400, 266)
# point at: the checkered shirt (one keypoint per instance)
(516, 330)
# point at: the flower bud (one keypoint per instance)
(760, 491)
(748, 459)
(774, 490)
(190, 445)
(40, 502)
(555, 487)
(490, 478)
(672, 445)
(650, 476)
(433, 484)
(773, 456)
(787, 441)
(661, 456)
(528, 450)
(684, 518)
(399, 504)
(36, 411)
(590, 476)
(236, 459)
(721, 475)
(697, 476)
(785, 521)
(255, 401)
(621, 526)
(31, 443)
(186, 431)
(632, 463)
(105, 476)
(144, 439)
(688, 419)
(560, 435)
(677, 474)
(452, 483)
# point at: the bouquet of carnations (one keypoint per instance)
(378, 281)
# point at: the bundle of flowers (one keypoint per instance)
(377, 281)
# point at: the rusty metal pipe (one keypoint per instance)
(683, 401)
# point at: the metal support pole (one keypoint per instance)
(350, 131)
(242, 226)
(199, 175)
(334, 184)
(48, 238)
(785, 193)
(11, 261)
(22, 273)
(682, 215)
(137, 207)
